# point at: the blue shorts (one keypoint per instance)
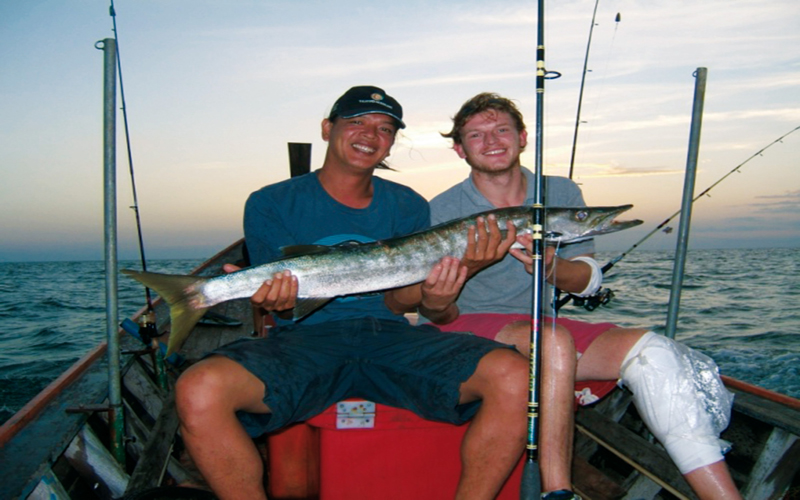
(307, 368)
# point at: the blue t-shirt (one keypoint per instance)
(299, 211)
(505, 287)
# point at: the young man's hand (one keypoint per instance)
(485, 247)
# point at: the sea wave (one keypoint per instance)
(737, 306)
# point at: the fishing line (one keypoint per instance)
(604, 295)
(705, 192)
(580, 93)
(599, 99)
(583, 82)
(148, 326)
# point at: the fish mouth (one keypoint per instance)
(607, 223)
(587, 222)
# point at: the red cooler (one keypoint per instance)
(372, 451)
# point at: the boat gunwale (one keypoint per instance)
(767, 394)
(35, 406)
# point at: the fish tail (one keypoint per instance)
(182, 296)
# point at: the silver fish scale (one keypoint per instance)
(401, 261)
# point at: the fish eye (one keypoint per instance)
(581, 215)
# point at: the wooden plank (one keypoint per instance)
(591, 484)
(641, 486)
(149, 470)
(49, 488)
(771, 412)
(36, 446)
(776, 466)
(613, 407)
(89, 456)
(139, 432)
(635, 450)
(138, 382)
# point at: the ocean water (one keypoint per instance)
(738, 306)
(52, 314)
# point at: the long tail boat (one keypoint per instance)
(73, 441)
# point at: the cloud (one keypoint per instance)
(784, 205)
(608, 170)
(215, 90)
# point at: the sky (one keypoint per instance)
(215, 90)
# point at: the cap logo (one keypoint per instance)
(376, 101)
(377, 97)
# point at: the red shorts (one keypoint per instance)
(488, 325)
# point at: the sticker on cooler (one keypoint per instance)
(355, 415)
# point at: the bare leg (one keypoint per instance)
(258, 322)
(495, 439)
(558, 396)
(713, 482)
(207, 396)
(603, 360)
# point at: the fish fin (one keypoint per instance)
(304, 307)
(182, 320)
(180, 292)
(295, 250)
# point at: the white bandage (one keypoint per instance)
(680, 397)
(595, 280)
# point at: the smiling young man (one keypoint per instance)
(489, 134)
(354, 346)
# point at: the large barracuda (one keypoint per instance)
(326, 272)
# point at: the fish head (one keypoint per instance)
(573, 224)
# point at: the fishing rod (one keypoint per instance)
(604, 295)
(613, 261)
(113, 13)
(148, 331)
(580, 93)
(583, 82)
(531, 485)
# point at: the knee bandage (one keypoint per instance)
(680, 397)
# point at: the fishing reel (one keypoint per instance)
(147, 327)
(590, 303)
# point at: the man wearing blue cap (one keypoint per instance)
(353, 346)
